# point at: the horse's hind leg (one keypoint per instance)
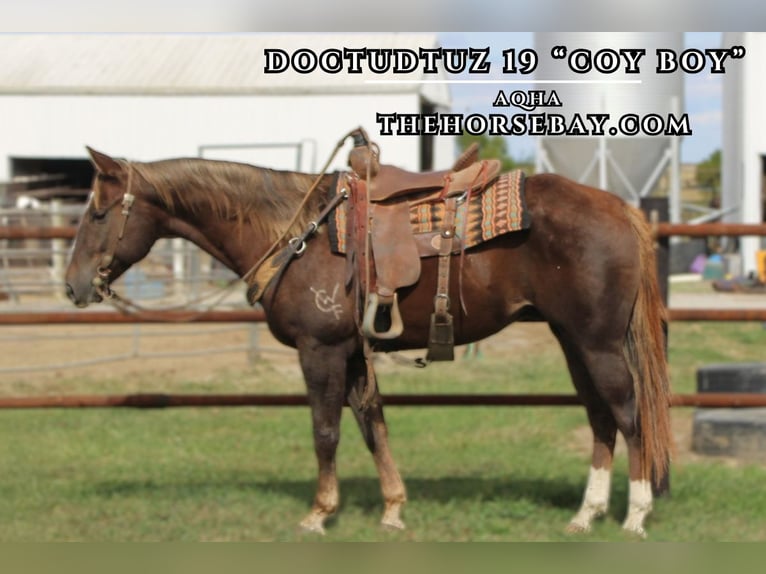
(595, 501)
(324, 369)
(375, 433)
(614, 383)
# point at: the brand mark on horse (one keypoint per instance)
(327, 304)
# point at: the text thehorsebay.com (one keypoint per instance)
(536, 109)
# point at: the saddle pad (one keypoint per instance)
(496, 210)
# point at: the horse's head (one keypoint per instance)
(116, 230)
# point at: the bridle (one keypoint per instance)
(104, 270)
(261, 274)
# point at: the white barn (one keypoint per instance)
(147, 97)
(744, 140)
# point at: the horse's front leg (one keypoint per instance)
(324, 369)
(375, 433)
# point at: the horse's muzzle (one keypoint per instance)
(82, 301)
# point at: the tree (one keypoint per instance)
(709, 173)
(490, 147)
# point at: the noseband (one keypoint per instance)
(104, 270)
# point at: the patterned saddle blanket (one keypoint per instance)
(498, 209)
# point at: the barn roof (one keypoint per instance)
(208, 64)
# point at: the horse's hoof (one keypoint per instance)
(313, 523)
(392, 524)
(391, 514)
(635, 530)
(577, 528)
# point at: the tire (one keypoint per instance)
(732, 378)
(739, 433)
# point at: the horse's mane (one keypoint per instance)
(264, 198)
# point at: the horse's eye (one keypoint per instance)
(107, 177)
(98, 216)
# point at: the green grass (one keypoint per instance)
(248, 474)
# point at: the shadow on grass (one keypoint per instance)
(362, 492)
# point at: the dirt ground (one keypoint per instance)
(49, 352)
(189, 350)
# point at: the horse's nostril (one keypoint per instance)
(70, 292)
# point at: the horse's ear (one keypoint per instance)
(103, 162)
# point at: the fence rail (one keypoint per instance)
(257, 315)
(111, 317)
(162, 400)
(660, 230)
(709, 229)
(26, 232)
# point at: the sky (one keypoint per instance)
(702, 92)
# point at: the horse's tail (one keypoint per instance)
(645, 352)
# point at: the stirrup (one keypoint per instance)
(368, 323)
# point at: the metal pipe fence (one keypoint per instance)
(709, 400)
(162, 400)
(34, 243)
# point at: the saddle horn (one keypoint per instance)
(364, 157)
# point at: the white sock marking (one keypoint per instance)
(639, 506)
(595, 500)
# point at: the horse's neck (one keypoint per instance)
(230, 237)
(233, 243)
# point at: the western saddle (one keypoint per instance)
(384, 253)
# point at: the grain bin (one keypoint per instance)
(628, 165)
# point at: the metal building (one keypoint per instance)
(148, 97)
(744, 140)
(154, 96)
(628, 165)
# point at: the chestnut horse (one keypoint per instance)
(586, 266)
